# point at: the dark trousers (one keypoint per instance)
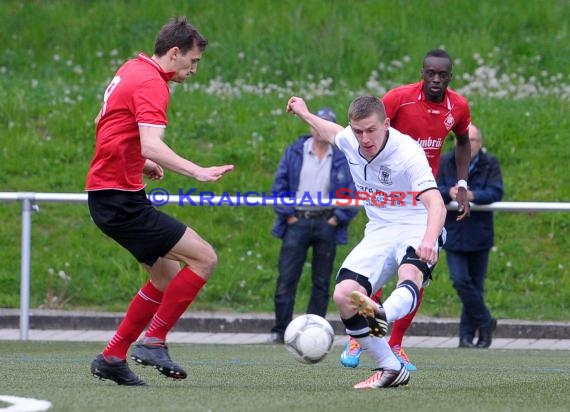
(313, 233)
(468, 271)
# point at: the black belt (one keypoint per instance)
(313, 214)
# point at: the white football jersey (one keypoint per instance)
(389, 185)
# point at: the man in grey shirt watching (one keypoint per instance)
(315, 172)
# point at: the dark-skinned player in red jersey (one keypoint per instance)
(427, 111)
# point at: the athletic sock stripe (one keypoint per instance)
(413, 289)
(147, 298)
(155, 324)
(358, 333)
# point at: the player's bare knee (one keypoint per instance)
(410, 272)
(203, 262)
(338, 297)
(341, 296)
(210, 260)
(207, 261)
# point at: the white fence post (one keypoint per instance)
(28, 207)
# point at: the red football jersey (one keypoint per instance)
(427, 122)
(137, 95)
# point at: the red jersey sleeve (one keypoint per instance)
(464, 118)
(150, 103)
(391, 103)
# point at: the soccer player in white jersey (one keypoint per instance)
(406, 215)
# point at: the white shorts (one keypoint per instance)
(380, 252)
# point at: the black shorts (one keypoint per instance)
(130, 219)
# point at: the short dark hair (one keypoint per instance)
(438, 53)
(178, 33)
(364, 106)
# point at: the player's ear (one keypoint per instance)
(174, 52)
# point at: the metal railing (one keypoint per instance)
(30, 200)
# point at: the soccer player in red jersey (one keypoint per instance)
(427, 111)
(129, 144)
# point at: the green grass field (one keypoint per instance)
(267, 378)
(511, 60)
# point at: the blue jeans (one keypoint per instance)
(300, 236)
(468, 271)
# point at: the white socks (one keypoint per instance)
(401, 301)
(380, 351)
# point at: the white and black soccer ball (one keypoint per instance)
(309, 338)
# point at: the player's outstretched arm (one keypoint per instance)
(325, 130)
(153, 148)
(462, 159)
(433, 202)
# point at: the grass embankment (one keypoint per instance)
(511, 61)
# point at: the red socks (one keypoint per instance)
(140, 312)
(400, 327)
(377, 297)
(164, 309)
(181, 291)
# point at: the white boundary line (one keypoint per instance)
(24, 404)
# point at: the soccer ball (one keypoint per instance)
(309, 338)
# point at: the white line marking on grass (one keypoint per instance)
(24, 404)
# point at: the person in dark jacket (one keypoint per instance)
(309, 169)
(469, 242)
